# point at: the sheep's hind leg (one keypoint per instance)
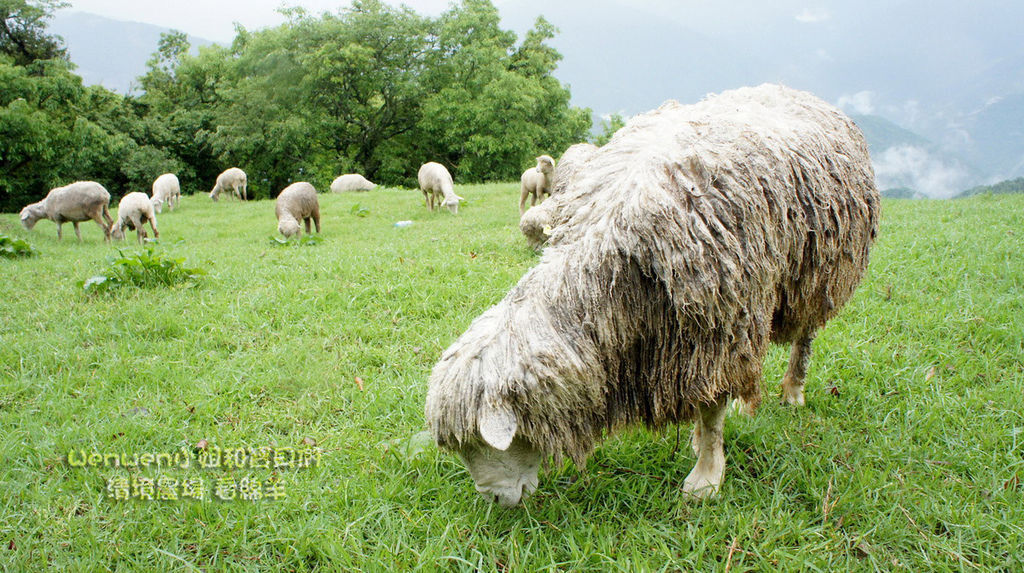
(706, 476)
(78, 233)
(793, 381)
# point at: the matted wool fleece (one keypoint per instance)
(699, 234)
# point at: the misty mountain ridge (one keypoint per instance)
(111, 53)
(938, 119)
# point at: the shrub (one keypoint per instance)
(15, 248)
(144, 269)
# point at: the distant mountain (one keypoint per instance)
(111, 53)
(997, 135)
(907, 163)
(902, 193)
(948, 70)
(1001, 188)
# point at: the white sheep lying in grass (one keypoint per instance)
(539, 220)
(351, 182)
(233, 179)
(77, 202)
(166, 190)
(298, 202)
(535, 182)
(698, 235)
(134, 210)
(436, 184)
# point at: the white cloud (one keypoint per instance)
(862, 102)
(916, 168)
(813, 16)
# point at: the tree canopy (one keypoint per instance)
(372, 88)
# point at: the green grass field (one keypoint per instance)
(909, 455)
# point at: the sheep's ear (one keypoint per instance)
(497, 425)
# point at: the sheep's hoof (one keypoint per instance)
(792, 393)
(702, 485)
(793, 398)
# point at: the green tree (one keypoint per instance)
(609, 126)
(179, 107)
(494, 106)
(23, 34)
(363, 76)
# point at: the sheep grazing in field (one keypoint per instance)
(166, 190)
(234, 180)
(437, 185)
(535, 182)
(351, 182)
(77, 202)
(538, 220)
(134, 211)
(297, 202)
(698, 235)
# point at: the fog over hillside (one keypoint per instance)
(949, 73)
(948, 70)
(108, 52)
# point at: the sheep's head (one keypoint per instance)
(118, 228)
(536, 225)
(158, 205)
(30, 214)
(504, 475)
(453, 204)
(517, 386)
(545, 164)
(503, 466)
(289, 228)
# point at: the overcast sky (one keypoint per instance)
(214, 19)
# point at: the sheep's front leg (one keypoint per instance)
(706, 476)
(106, 228)
(152, 223)
(793, 381)
(307, 222)
(77, 232)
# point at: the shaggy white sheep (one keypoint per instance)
(77, 202)
(166, 190)
(535, 182)
(436, 184)
(538, 220)
(696, 237)
(134, 210)
(570, 165)
(351, 182)
(233, 179)
(297, 202)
